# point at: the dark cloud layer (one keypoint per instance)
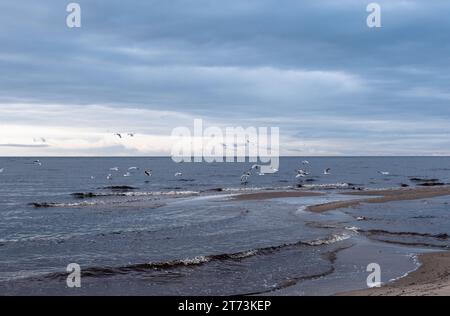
(226, 59)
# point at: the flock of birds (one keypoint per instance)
(301, 173)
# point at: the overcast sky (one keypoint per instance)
(312, 68)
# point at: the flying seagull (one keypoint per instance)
(118, 135)
(148, 173)
(384, 173)
(37, 162)
(327, 171)
(178, 174)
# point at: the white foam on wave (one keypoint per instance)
(160, 193)
(330, 240)
(326, 186)
(246, 189)
(195, 260)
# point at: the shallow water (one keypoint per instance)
(181, 235)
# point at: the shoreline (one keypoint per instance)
(432, 278)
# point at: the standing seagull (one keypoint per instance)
(244, 178)
(301, 173)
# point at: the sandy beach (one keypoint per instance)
(273, 195)
(431, 279)
(383, 196)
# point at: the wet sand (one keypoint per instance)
(383, 196)
(273, 195)
(431, 279)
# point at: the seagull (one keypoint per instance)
(327, 171)
(301, 173)
(244, 178)
(384, 173)
(148, 173)
(114, 169)
(256, 167)
(178, 174)
(37, 162)
(109, 177)
(131, 134)
(118, 135)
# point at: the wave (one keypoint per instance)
(200, 260)
(442, 236)
(326, 186)
(330, 240)
(246, 189)
(155, 193)
(119, 187)
(52, 204)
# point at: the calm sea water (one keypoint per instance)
(163, 234)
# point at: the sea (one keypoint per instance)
(179, 229)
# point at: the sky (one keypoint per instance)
(313, 68)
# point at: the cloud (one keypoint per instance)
(313, 68)
(25, 145)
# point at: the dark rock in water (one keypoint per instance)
(431, 184)
(404, 185)
(83, 195)
(42, 205)
(442, 236)
(423, 180)
(424, 217)
(120, 187)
